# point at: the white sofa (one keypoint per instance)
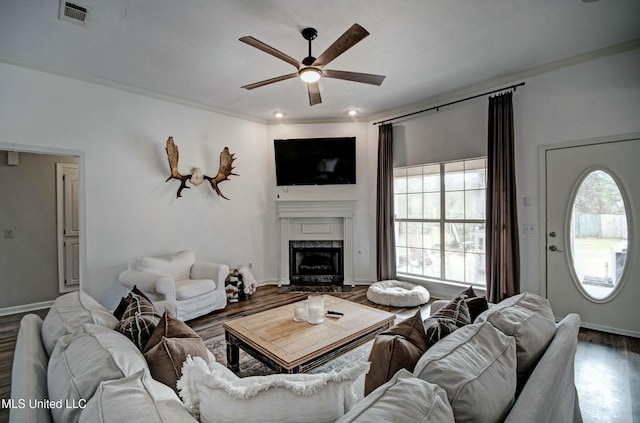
(195, 288)
(75, 367)
(510, 365)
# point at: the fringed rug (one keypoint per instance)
(249, 366)
(325, 289)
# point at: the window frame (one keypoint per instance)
(440, 281)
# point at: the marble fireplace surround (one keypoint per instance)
(316, 221)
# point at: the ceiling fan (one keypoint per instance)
(311, 69)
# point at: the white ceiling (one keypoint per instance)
(188, 50)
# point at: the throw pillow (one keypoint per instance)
(405, 398)
(529, 319)
(170, 344)
(146, 401)
(82, 360)
(138, 320)
(476, 365)
(322, 397)
(477, 305)
(69, 312)
(125, 301)
(399, 347)
(445, 321)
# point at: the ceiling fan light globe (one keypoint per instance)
(310, 75)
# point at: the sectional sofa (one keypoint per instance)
(510, 365)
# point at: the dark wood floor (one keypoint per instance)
(607, 366)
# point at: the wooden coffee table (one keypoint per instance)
(274, 338)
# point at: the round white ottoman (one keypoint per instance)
(397, 294)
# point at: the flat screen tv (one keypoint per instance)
(315, 161)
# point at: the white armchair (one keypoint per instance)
(194, 287)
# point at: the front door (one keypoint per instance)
(592, 243)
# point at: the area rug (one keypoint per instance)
(291, 289)
(249, 366)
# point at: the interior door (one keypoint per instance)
(68, 227)
(592, 247)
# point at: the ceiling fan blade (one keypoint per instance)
(347, 40)
(270, 81)
(314, 93)
(272, 51)
(365, 78)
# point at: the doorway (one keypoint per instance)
(28, 237)
(592, 201)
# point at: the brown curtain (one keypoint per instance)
(503, 252)
(385, 237)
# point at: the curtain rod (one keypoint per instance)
(437, 108)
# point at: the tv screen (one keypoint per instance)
(315, 161)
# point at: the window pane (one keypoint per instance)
(454, 266)
(431, 205)
(431, 235)
(414, 206)
(431, 178)
(599, 236)
(454, 237)
(401, 259)
(475, 174)
(454, 176)
(401, 234)
(399, 181)
(454, 205)
(474, 269)
(414, 179)
(400, 206)
(474, 204)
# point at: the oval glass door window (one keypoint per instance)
(599, 235)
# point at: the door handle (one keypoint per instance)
(555, 249)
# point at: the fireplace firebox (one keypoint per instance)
(316, 262)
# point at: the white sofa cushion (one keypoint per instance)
(82, 360)
(194, 288)
(135, 398)
(529, 319)
(69, 312)
(176, 266)
(476, 365)
(404, 398)
(323, 397)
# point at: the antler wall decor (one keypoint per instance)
(197, 177)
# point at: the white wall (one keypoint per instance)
(130, 210)
(363, 192)
(592, 99)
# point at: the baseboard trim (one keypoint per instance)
(5, 311)
(607, 329)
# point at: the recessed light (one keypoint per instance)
(279, 115)
(353, 112)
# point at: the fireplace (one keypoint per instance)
(321, 233)
(316, 262)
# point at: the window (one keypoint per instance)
(440, 221)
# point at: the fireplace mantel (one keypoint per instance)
(316, 220)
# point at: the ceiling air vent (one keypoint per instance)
(70, 12)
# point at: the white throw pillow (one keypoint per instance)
(176, 266)
(278, 398)
(69, 312)
(529, 319)
(135, 398)
(476, 365)
(82, 360)
(404, 398)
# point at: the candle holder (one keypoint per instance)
(316, 309)
(300, 311)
